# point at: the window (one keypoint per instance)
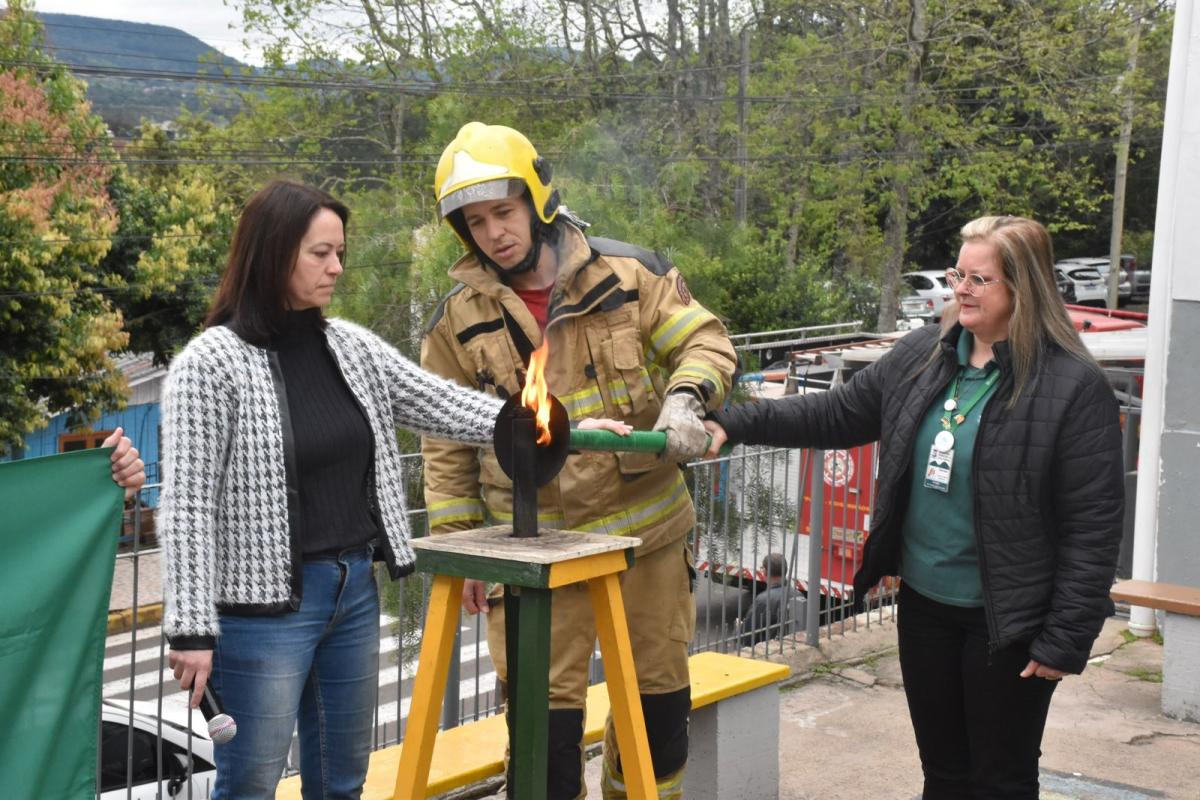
(70, 442)
(116, 758)
(918, 282)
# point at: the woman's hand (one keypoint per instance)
(128, 471)
(614, 425)
(716, 438)
(192, 668)
(1035, 669)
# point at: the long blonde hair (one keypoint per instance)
(1038, 315)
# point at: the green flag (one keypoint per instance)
(59, 522)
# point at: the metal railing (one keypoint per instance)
(753, 504)
(749, 505)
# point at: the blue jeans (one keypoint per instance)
(318, 666)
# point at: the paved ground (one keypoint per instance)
(844, 730)
(845, 735)
(148, 579)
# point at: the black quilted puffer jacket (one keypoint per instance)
(1047, 477)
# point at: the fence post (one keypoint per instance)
(816, 540)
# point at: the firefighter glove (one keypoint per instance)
(681, 418)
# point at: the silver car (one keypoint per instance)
(1100, 265)
(928, 294)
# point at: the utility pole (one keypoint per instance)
(1118, 211)
(743, 80)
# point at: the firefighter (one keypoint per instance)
(628, 343)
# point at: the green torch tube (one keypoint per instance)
(635, 442)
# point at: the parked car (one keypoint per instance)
(1100, 264)
(118, 753)
(929, 295)
(1088, 285)
(1066, 287)
(1138, 277)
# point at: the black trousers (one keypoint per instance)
(978, 723)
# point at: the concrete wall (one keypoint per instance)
(1178, 558)
(1173, 366)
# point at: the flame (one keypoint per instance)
(536, 394)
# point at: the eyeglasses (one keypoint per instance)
(976, 284)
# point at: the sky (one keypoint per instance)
(208, 20)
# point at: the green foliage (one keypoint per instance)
(872, 132)
(169, 247)
(56, 324)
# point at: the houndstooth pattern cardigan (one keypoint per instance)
(223, 518)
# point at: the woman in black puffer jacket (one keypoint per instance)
(999, 503)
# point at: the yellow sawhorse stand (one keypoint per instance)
(529, 568)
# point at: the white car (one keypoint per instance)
(119, 754)
(1101, 265)
(1089, 284)
(928, 294)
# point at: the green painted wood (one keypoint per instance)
(461, 565)
(527, 633)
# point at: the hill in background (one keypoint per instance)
(92, 47)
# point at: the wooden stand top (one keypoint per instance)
(548, 547)
(553, 558)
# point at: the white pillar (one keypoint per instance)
(1176, 239)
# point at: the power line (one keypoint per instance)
(156, 290)
(426, 88)
(125, 143)
(391, 161)
(354, 233)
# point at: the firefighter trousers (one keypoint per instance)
(661, 611)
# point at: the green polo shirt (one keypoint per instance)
(937, 555)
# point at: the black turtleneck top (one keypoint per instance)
(333, 441)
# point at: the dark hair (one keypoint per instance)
(252, 296)
(774, 565)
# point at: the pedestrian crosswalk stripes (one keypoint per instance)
(148, 679)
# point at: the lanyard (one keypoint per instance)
(953, 415)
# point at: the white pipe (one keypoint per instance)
(1145, 526)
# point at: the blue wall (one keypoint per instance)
(140, 423)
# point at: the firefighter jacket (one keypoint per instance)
(623, 332)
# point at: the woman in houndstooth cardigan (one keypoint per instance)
(282, 484)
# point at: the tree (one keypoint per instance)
(169, 246)
(57, 325)
(873, 130)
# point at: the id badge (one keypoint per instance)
(937, 471)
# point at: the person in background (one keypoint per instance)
(282, 483)
(627, 343)
(768, 613)
(999, 503)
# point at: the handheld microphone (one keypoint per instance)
(221, 727)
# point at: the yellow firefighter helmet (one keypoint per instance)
(491, 162)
